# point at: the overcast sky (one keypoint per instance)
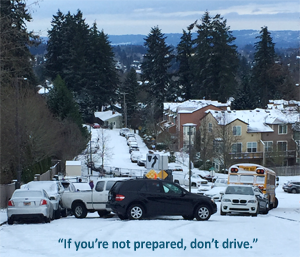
(119, 17)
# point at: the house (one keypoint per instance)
(264, 136)
(175, 115)
(108, 119)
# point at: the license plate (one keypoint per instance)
(27, 203)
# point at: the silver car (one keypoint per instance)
(29, 205)
(55, 190)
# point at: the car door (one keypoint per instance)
(174, 200)
(151, 194)
(100, 195)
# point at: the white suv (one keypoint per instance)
(239, 198)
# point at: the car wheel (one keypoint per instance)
(276, 203)
(10, 221)
(57, 213)
(188, 217)
(64, 213)
(176, 182)
(103, 213)
(294, 191)
(79, 210)
(47, 220)
(135, 212)
(202, 212)
(221, 212)
(193, 185)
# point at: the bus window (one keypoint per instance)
(260, 179)
(246, 179)
(233, 178)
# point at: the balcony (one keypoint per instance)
(259, 155)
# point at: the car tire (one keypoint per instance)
(47, 220)
(103, 213)
(221, 212)
(64, 213)
(202, 212)
(57, 213)
(188, 217)
(266, 210)
(176, 182)
(122, 217)
(10, 221)
(276, 203)
(294, 191)
(135, 212)
(79, 210)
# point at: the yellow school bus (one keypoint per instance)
(256, 175)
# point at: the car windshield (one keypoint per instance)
(239, 190)
(27, 194)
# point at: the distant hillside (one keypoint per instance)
(282, 39)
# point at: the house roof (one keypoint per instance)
(191, 106)
(107, 115)
(258, 120)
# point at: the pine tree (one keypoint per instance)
(216, 59)
(131, 89)
(184, 57)
(155, 66)
(15, 58)
(264, 60)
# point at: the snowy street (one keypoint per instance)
(274, 234)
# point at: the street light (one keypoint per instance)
(190, 126)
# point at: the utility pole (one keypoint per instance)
(125, 108)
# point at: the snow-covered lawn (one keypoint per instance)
(274, 234)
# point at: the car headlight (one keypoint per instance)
(252, 201)
(226, 200)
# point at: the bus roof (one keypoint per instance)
(249, 168)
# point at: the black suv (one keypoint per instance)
(292, 187)
(139, 198)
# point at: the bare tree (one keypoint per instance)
(105, 150)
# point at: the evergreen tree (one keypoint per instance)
(185, 72)
(15, 58)
(216, 59)
(264, 60)
(84, 59)
(131, 89)
(155, 68)
(102, 75)
(60, 102)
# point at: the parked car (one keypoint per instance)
(123, 131)
(263, 201)
(133, 148)
(68, 186)
(220, 182)
(141, 160)
(55, 190)
(130, 140)
(139, 198)
(127, 135)
(292, 187)
(96, 125)
(134, 156)
(240, 199)
(215, 193)
(29, 205)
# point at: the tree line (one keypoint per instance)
(81, 63)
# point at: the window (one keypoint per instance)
(246, 179)
(251, 147)
(268, 146)
(236, 148)
(210, 128)
(282, 146)
(237, 130)
(260, 179)
(282, 129)
(100, 186)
